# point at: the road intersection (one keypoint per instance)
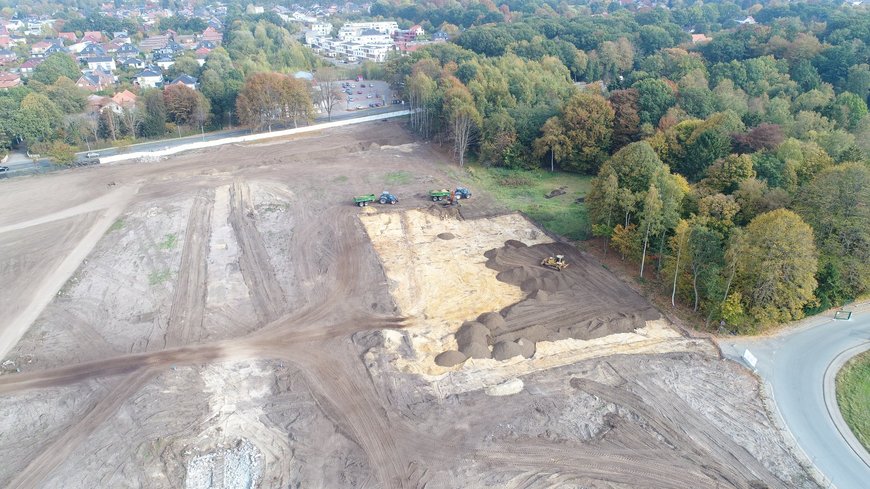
(799, 365)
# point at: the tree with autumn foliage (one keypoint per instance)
(270, 98)
(587, 122)
(463, 119)
(776, 267)
(182, 104)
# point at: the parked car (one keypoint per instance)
(4, 169)
(92, 155)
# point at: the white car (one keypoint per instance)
(92, 155)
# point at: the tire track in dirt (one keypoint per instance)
(188, 305)
(721, 459)
(646, 468)
(60, 449)
(344, 393)
(267, 296)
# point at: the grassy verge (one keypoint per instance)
(528, 191)
(853, 396)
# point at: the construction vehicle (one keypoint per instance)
(438, 195)
(364, 200)
(557, 262)
(388, 198)
(462, 193)
(459, 193)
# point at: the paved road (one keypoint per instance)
(794, 364)
(19, 164)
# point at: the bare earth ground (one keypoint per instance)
(227, 319)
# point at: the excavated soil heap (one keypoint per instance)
(450, 358)
(583, 301)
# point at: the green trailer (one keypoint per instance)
(438, 195)
(364, 200)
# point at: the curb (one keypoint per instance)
(829, 394)
(769, 402)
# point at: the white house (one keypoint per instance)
(353, 29)
(164, 62)
(105, 63)
(149, 78)
(186, 80)
(321, 28)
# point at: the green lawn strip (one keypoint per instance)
(853, 396)
(526, 191)
(398, 178)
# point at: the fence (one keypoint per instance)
(151, 155)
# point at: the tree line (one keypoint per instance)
(734, 172)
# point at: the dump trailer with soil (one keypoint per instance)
(364, 200)
(438, 195)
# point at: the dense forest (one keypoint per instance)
(733, 171)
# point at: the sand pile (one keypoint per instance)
(582, 302)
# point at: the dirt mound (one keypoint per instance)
(527, 347)
(450, 358)
(504, 350)
(492, 320)
(477, 350)
(582, 302)
(555, 193)
(446, 236)
(472, 332)
(445, 211)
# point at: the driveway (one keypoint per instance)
(794, 363)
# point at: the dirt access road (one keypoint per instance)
(223, 319)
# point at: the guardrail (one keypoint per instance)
(146, 155)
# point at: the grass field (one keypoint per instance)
(853, 396)
(527, 191)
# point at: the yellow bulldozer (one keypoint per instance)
(557, 262)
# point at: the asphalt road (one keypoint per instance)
(19, 164)
(794, 364)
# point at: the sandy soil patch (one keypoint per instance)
(439, 283)
(444, 271)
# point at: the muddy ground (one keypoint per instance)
(228, 319)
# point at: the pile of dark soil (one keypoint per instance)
(584, 302)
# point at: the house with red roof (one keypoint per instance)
(125, 99)
(9, 80)
(211, 34)
(40, 47)
(93, 36)
(68, 36)
(28, 66)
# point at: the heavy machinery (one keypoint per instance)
(462, 193)
(364, 200)
(388, 198)
(557, 262)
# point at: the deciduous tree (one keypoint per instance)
(835, 204)
(588, 123)
(776, 269)
(54, 67)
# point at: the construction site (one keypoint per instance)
(228, 318)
